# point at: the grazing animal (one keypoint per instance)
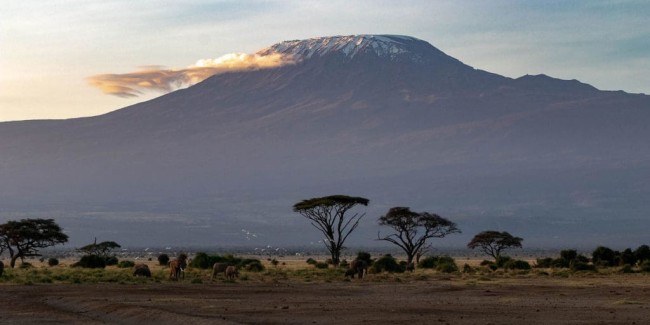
(218, 268)
(2, 267)
(177, 267)
(231, 272)
(141, 270)
(359, 267)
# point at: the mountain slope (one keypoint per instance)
(383, 116)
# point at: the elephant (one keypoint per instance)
(177, 267)
(218, 268)
(231, 272)
(359, 267)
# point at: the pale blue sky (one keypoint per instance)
(49, 48)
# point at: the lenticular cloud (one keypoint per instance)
(156, 78)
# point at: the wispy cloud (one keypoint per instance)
(160, 79)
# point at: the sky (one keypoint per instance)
(52, 53)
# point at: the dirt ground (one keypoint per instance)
(608, 300)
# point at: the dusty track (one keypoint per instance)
(513, 301)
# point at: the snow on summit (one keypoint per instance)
(390, 46)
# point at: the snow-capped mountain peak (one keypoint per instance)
(385, 46)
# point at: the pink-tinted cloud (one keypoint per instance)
(156, 78)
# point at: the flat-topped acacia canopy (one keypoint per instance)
(329, 201)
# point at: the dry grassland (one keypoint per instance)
(295, 293)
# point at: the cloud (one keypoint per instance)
(157, 78)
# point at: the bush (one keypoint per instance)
(163, 259)
(321, 265)
(202, 261)
(568, 258)
(25, 265)
(311, 261)
(561, 263)
(604, 256)
(52, 261)
(111, 260)
(253, 265)
(627, 257)
(490, 265)
(274, 262)
(581, 258)
(141, 270)
(582, 266)
(468, 269)
(445, 259)
(627, 268)
(344, 264)
(516, 265)
(642, 253)
(568, 254)
(125, 264)
(546, 262)
(249, 264)
(499, 263)
(428, 262)
(645, 266)
(91, 262)
(447, 267)
(502, 260)
(432, 262)
(387, 263)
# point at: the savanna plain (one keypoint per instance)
(290, 291)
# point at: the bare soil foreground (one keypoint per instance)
(619, 299)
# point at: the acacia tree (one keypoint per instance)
(327, 214)
(23, 238)
(102, 249)
(413, 229)
(493, 242)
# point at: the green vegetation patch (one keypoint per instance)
(204, 261)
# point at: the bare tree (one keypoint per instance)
(327, 214)
(492, 242)
(413, 229)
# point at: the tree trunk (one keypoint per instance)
(409, 258)
(336, 257)
(13, 261)
(335, 254)
(494, 253)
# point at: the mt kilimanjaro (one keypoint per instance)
(390, 118)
